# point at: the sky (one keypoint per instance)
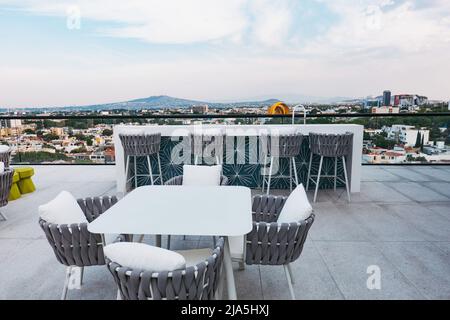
(68, 52)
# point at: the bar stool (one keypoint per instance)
(210, 142)
(283, 146)
(141, 145)
(329, 146)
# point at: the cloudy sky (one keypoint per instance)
(66, 52)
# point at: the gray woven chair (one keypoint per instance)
(204, 144)
(336, 146)
(141, 145)
(74, 245)
(5, 157)
(178, 181)
(5, 186)
(199, 282)
(272, 243)
(287, 146)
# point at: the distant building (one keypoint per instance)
(407, 134)
(386, 109)
(200, 109)
(371, 103)
(10, 123)
(386, 98)
(409, 100)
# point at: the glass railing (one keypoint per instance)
(389, 139)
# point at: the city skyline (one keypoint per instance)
(227, 51)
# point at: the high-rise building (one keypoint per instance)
(386, 98)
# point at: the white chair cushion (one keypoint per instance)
(2, 167)
(201, 175)
(195, 256)
(64, 209)
(4, 148)
(296, 208)
(142, 256)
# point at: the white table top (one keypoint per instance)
(179, 210)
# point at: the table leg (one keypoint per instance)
(231, 288)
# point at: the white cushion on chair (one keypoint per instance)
(2, 167)
(4, 148)
(297, 207)
(201, 175)
(64, 209)
(195, 256)
(142, 256)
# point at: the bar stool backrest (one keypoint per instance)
(287, 145)
(140, 144)
(5, 157)
(331, 145)
(200, 141)
(5, 186)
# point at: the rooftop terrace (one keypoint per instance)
(399, 222)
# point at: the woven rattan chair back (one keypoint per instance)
(140, 144)
(5, 157)
(198, 282)
(272, 243)
(73, 244)
(331, 145)
(284, 145)
(5, 186)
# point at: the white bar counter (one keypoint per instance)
(244, 130)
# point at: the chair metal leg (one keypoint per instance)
(291, 273)
(81, 275)
(3, 216)
(127, 168)
(318, 178)
(264, 175)
(295, 172)
(346, 178)
(150, 170)
(66, 283)
(309, 171)
(135, 173)
(335, 172)
(160, 171)
(289, 280)
(270, 175)
(290, 175)
(119, 296)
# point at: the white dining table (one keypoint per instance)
(182, 210)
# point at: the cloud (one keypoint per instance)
(254, 47)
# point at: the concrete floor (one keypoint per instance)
(400, 222)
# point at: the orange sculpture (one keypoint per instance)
(279, 108)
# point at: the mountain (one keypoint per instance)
(153, 102)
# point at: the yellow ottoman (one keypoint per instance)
(14, 193)
(25, 183)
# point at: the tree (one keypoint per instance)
(49, 137)
(418, 140)
(107, 132)
(29, 131)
